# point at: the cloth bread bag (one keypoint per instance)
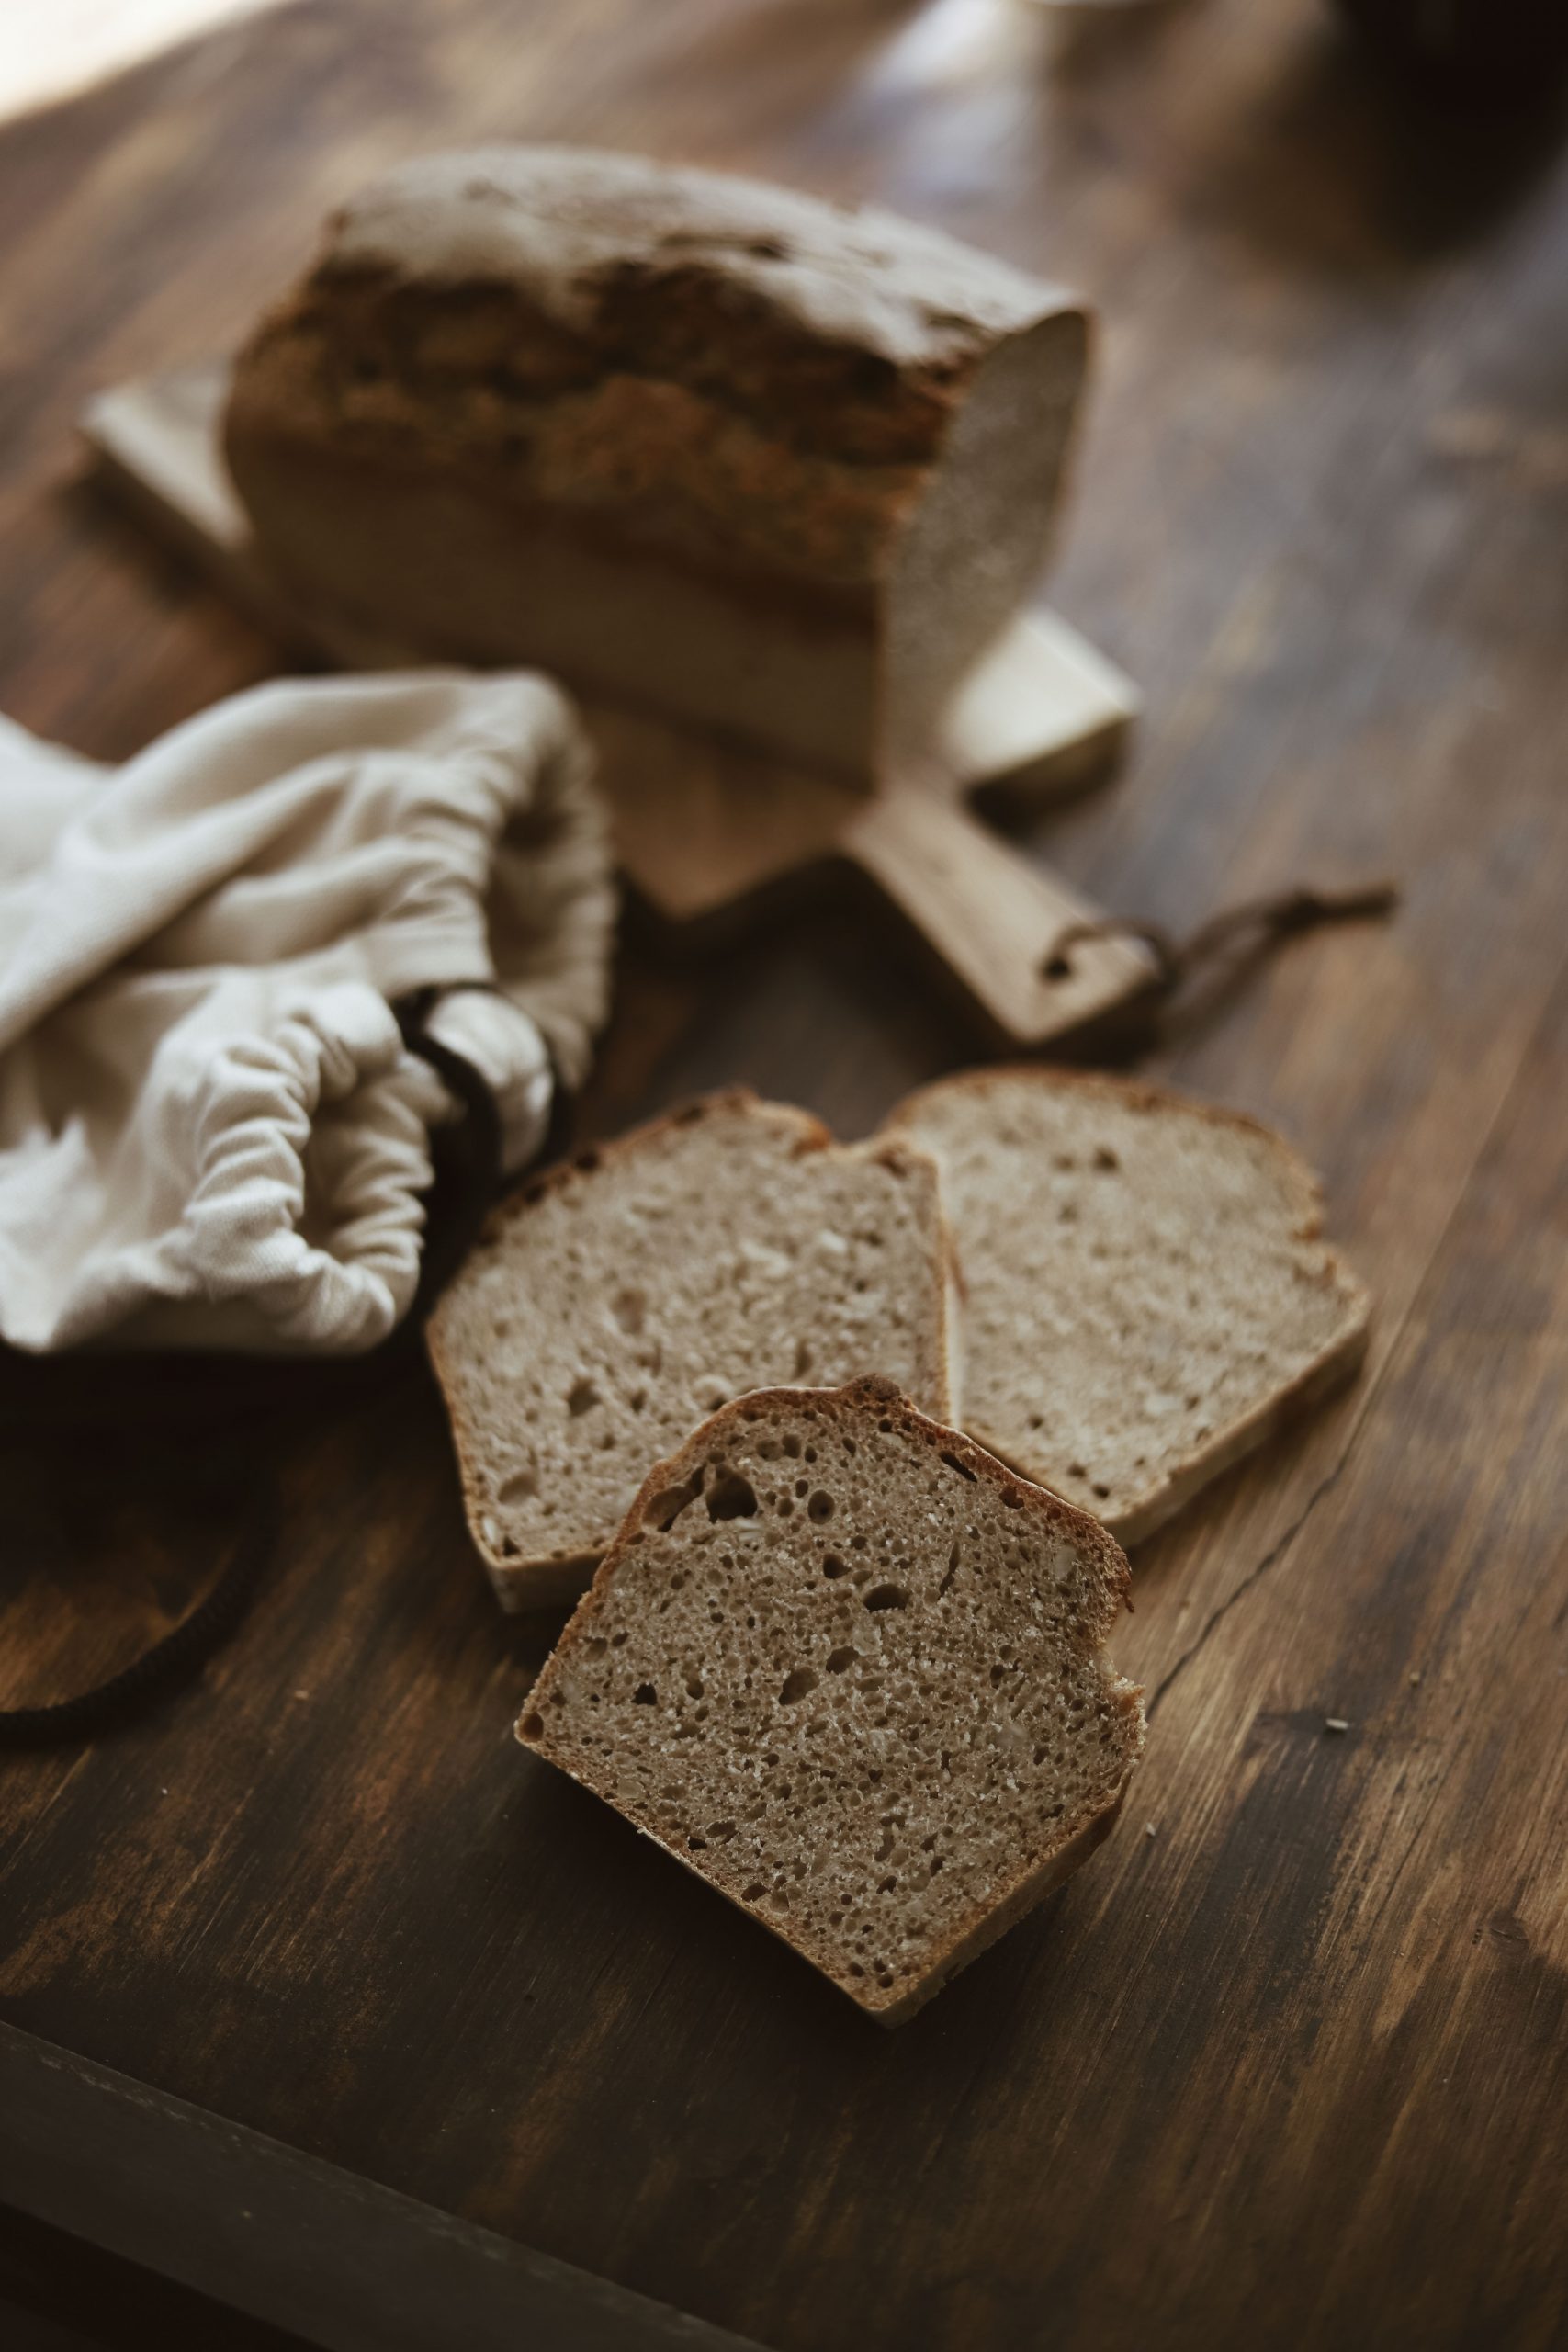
(212, 1131)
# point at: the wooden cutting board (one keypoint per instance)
(705, 830)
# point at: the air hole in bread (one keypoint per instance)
(801, 1359)
(520, 1487)
(629, 1308)
(582, 1396)
(962, 1469)
(532, 1727)
(887, 1596)
(841, 1660)
(1105, 1159)
(820, 1507)
(833, 1566)
(667, 1506)
(645, 1695)
(732, 1497)
(798, 1685)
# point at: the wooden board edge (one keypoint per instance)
(285, 2237)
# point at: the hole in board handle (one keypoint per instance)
(1058, 965)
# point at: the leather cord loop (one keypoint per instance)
(1266, 922)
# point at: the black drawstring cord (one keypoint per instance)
(470, 1178)
(467, 1177)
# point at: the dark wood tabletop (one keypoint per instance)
(1288, 2064)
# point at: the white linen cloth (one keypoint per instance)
(211, 1134)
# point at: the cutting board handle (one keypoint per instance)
(991, 917)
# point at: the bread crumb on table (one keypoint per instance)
(1335, 1723)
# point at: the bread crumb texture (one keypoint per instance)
(616, 1302)
(851, 1671)
(1144, 1283)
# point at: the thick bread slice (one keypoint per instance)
(616, 1300)
(1145, 1294)
(850, 1669)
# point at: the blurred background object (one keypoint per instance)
(51, 48)
(1480, 51)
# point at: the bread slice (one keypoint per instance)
(1145, 1294)
(615, 1301)
(850, 1669)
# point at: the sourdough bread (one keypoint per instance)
(851, 1671)
(708, 445)
(1145, 1292)
(614, 1303)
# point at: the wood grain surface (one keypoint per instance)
(1292, 2070)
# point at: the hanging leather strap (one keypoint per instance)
(1261, 924)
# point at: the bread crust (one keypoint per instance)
(1333, 1365)
(547, 1581)
(983, 1926)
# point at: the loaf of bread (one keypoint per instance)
(1147, 1293)
(709, 447)
(615, 1302)
(851, 1671)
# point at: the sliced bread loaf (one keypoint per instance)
(1145, 1294)
(617, 1300)
(850, 1669)
(688, 441)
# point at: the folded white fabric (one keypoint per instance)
(211, 1134)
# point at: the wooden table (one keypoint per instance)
(1291, 2066)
